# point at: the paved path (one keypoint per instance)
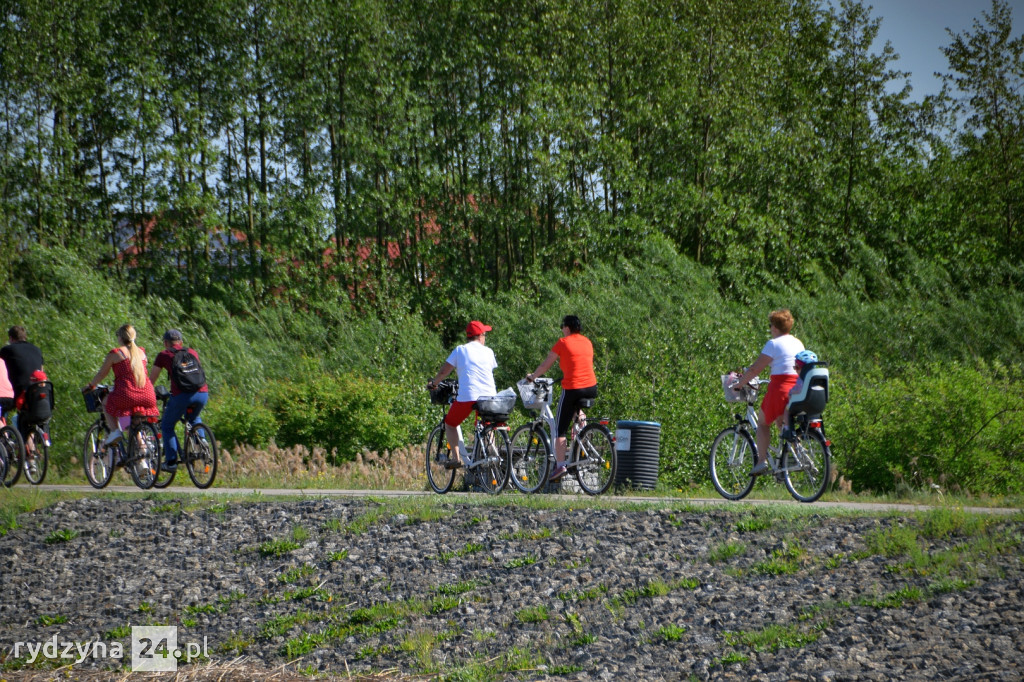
(318, 492)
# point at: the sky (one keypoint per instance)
(917, 31)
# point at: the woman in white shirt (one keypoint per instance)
(474, 364)
(779, 352)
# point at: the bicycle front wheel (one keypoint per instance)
(35, 467)
(493, 473)
(15, 448)
(98, 462)
(594, 450)
(143, 455)
(201, 455)
(733, 454)
(437, 454)
(531, 456)
(807, 464)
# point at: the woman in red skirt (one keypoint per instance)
(133, 391)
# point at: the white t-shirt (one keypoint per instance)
(475, 365)
(782, 350)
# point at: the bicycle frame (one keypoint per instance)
(748, 421)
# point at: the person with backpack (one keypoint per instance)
(188, 390)
(21, 359)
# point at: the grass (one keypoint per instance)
(772, 638)
(277, 548)
(59, 536)
(725, 551)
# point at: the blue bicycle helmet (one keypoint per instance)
(806, 357)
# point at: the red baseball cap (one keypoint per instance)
(476, 328)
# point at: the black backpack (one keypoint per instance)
(38, 405)
(186, 371)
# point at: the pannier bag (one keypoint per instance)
(38, 404)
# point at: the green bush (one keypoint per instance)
(949, 424)
(238, 419)
(345, 413)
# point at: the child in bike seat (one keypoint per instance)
(803, 358)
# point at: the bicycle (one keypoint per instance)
(592, 457)
(489, 455)
(38, 444)
(198, 452)
(141, 455)
(12, 450)
(803, 465)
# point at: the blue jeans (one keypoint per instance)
(176, 406)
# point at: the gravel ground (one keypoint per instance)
(353, 587)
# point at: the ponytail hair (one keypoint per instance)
(126, 335)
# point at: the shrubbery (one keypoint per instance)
(926, 388)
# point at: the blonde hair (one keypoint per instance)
(126, 335)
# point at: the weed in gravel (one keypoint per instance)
(338, 556)
(219, 508)
(470, 548)
(772, 638)
(189, 622)
(892, 541)
(670, 632)
(480, 669)
(725, 551)
(484, 635)
(753, 524)
(119, 632)
(564, 669)
(732, 658)
(294, 575)
(62, 535)
(783, 561)
(894, 600)
(169, 508)
(949, 585)
(145, 607)
(332, 525)
(46, 620)
(235, 644)
(444, 603)
(533, 614)
(362, 523)
(421, 644)
(527, 534)
(944, 522)
(277, 548)
(521, 562)
(457, 588)
(583, 595)
(299, 534)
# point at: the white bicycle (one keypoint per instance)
(803, 465)
(591, 453)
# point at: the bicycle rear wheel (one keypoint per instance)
(437, 454)
(201, 455)
(531, 456)
(807, 464)
(143, 448)
(15, 447)
(594, 450)
(98, 462)
(492, 475)
(35, 467)
(733, 454)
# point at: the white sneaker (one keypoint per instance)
(112, 437)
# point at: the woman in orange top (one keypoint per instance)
(575, 355)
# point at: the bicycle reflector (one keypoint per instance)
(816, 424)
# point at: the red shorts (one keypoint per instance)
(458, 412)
(774, 403)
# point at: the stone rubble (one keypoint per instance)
(563, 589)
